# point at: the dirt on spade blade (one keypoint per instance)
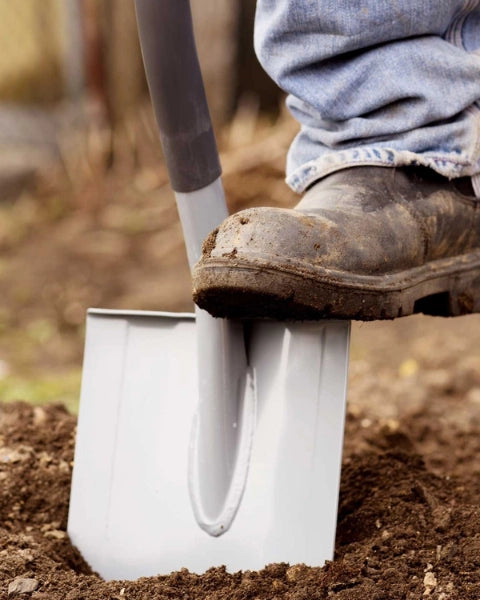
(409, 516)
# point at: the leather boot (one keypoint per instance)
(364, 243)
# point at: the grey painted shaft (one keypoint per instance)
(177, 92)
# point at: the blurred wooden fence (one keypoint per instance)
(52, 49)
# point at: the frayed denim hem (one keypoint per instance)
(444, 164)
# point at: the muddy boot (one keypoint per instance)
(364, 243)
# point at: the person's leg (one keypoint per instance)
(375, 82)
(386, 94)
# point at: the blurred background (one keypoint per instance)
(87, 218)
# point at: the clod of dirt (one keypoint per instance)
(22, 585)
(209, 242)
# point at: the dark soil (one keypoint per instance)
(409, 518)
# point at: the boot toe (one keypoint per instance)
(363, 243)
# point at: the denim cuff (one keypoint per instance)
(448, 165)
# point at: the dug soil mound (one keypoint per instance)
(408, 523)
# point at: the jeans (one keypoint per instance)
(376, 82)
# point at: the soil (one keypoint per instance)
(408, 523)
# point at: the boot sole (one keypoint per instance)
(267, 289)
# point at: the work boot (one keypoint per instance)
(364, 243)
